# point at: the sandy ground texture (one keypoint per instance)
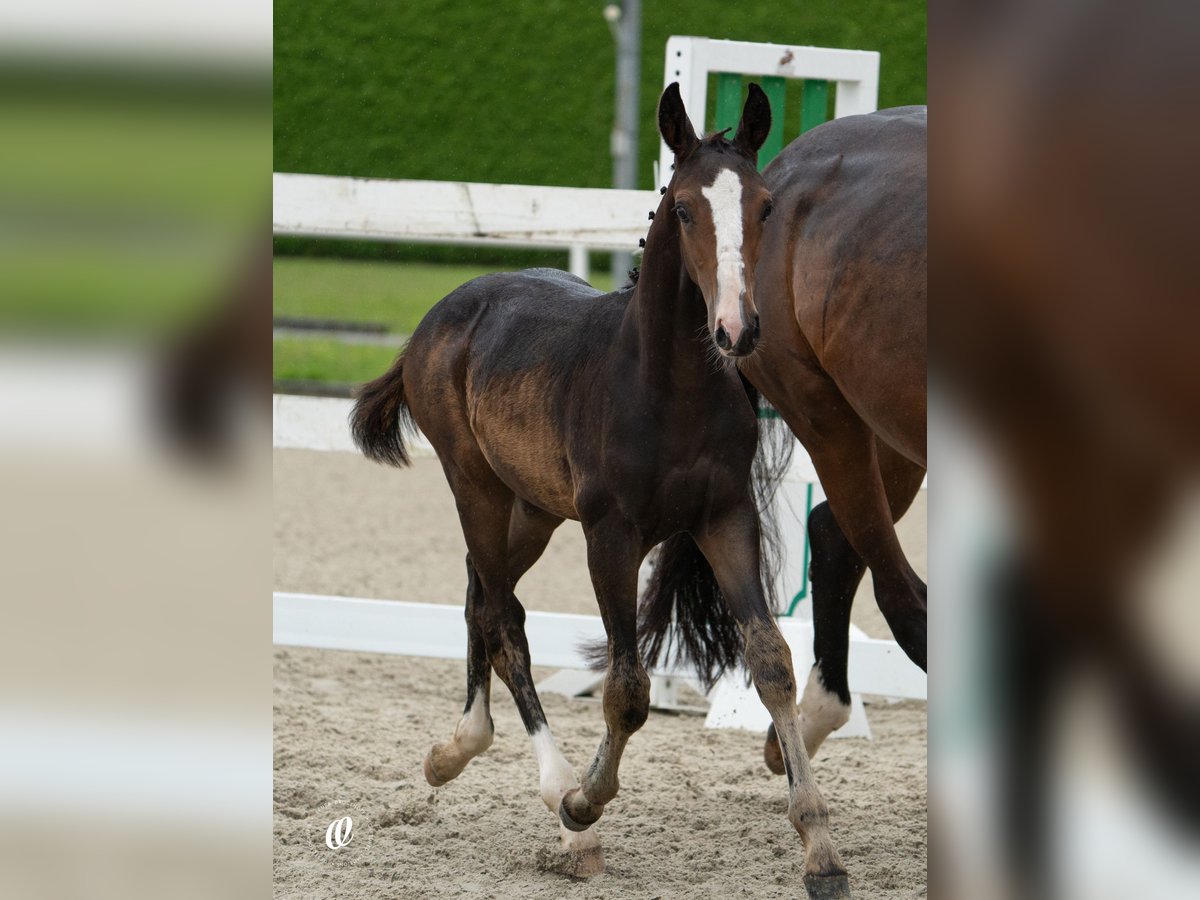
(698, 814)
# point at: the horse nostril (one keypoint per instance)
(722, 337)
(757, 328)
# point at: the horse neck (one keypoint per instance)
(666, 313)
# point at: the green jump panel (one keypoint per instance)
(729, 110)
(803, 592)
(776, 91)
(729, 100)
(814, 102)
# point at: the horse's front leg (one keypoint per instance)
(614, 552)
(504, 540)
(731, 546)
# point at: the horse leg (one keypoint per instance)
(844, 453)
(528, 535)
(484, 506)
(504, 539)
(474, 731)
(836, 571)
(732, 549)
(529, 531)
(613, 557)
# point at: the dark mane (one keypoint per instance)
(717, 142)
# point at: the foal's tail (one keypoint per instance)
(683, 603)
(381, 415)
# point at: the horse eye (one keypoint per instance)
(767, 210)
(684, 215)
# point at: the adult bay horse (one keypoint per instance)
(547, 400)
(842, 295)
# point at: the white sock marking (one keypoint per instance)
(474, 732)
(724, 196)
(557, 777)
(821, 712)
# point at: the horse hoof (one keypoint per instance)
(575, 821)
(586, 863)
(431, 775)
(773, 755)
(827, 887)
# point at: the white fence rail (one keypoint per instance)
(461, 212)
(439, 631)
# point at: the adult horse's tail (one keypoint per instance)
(683, 604)
(381, 415)
(684, 607)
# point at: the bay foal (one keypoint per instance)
(547, 400)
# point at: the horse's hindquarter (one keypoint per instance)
(523, 446)
(848, 264)
(522, 374)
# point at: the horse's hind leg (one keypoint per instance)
(474, 732)
(484, 505)
(844, 453)
(504, 538)
(528, 533)
(837, 570)
(732, 549)
(613, 557)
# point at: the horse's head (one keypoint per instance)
(722, 204)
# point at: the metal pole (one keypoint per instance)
(577, 256)
(625, 127)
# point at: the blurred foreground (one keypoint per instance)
(1065, 691)
(134, 463)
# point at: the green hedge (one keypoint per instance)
(518, 93)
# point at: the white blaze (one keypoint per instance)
(724, 196)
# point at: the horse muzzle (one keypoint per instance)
(740, 343)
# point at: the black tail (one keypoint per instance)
(381, 415)
(683, 604)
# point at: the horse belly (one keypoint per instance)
(524, 446)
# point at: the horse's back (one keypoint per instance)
(508, 321)
(889, 139)
(851, 246)
(854, 195)
(491, 365)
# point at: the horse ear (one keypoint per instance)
(755, 124)
(674, 124)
